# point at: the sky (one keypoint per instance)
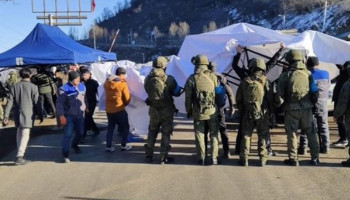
(17, 19)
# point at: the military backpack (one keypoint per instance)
(204, 93)
(253, 96)
(298, 85)
(158, 94)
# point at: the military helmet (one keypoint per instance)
(257, 63)
(160, 62)
(200, 59)
(293, 55)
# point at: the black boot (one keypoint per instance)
(301, 150)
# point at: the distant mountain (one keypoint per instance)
(154, 27)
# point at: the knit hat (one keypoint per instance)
(312, 61)
(84, 71)
(120, 70)
(73, 75)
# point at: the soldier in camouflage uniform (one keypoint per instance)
(343, 108)
(253, 99)
(160, 88)
(293, 89)
(12, 79)
(200, 105)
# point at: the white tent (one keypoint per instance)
(219, 46)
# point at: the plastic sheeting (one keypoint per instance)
(219, 46)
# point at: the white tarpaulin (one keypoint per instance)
(219, 46)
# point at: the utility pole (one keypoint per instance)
(93, 30)
(324, 16)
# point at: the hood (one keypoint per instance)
(200, 68)
(114, 78)
(156, 72)
(297, 65)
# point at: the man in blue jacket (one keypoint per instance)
(71, 106)
(321, 77)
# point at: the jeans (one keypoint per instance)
(73, 125)
(120, 119)
(320, 123)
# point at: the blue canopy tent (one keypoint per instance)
(47, 45)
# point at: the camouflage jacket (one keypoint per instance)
(283, 88)
(266, 106)
(171, 89)
(190, 90)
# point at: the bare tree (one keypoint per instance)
(106, 35)
(173, 28)
(205, 29)
(73, 33)
(184, 29)
(107, 13)
(98, 32)
(212, 26)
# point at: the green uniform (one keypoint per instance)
(161, 109)
(203, 115)
(249, 122)
(297, 113)
(1, 109)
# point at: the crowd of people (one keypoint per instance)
(301, 92)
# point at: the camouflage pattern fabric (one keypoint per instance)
(199, 127)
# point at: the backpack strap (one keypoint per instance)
(207, 77)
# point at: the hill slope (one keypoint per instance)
(154, 27)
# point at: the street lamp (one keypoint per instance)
(324, 16)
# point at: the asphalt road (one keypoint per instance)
(95, 174)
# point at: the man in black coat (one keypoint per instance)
(91, 94)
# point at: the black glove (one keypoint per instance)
(147, 102)
(189, 116)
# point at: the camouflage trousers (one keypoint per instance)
(300, 118)
(200, 126)
(262, 128)
(160, 120)
(2, 101)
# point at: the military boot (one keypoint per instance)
(324, 150)
(167, 160)
(243, 162)
(291, 162)
(346, 163)
(262, 162)
(315, 162)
